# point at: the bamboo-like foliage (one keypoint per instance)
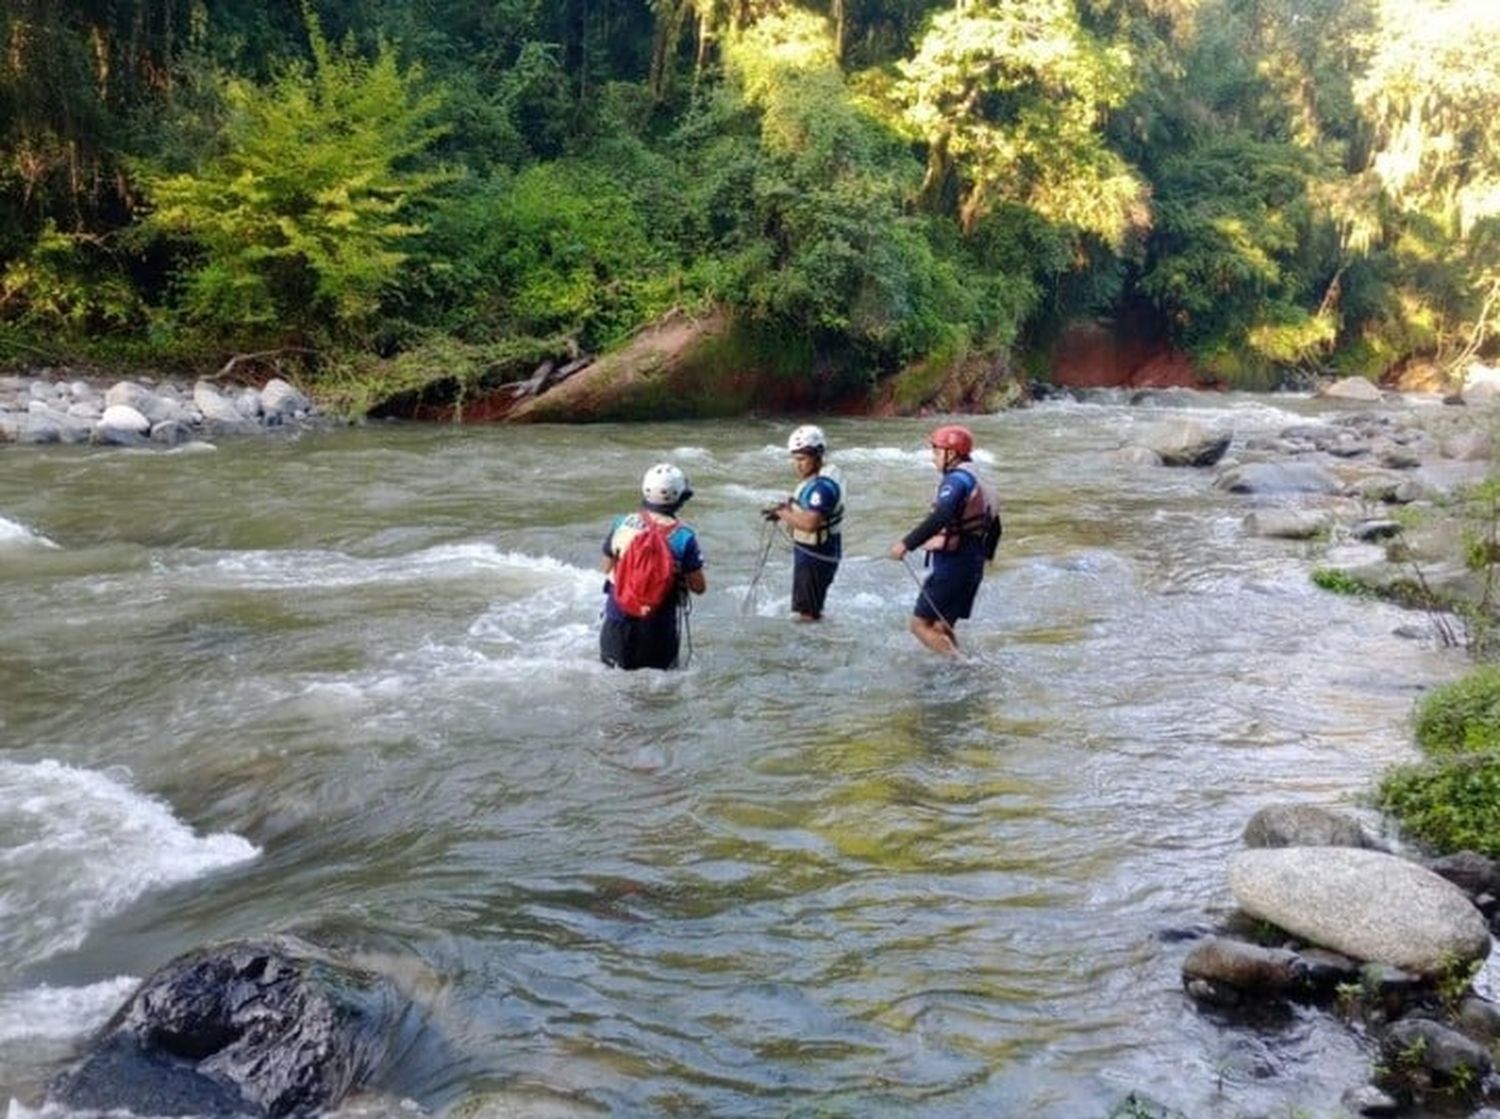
(301, 219)
(1271, 184)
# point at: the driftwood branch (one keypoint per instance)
(229, 365)
(546, 375)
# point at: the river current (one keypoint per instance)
(347, 685)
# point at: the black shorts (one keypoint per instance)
(811, 576)
(632, 643)
(948, 594)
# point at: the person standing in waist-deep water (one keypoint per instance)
(958, 535)
(813, 515)
(626, 639)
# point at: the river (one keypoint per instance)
(347, 684)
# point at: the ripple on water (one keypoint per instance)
(817, 869)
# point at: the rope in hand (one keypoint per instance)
(922, 589)
(773, 529)
(767, 538)
(684, 614)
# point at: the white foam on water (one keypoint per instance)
(77, 846)
(60, 1013)
(295, 569)
(15, 534)
(921, 456)
(760, 495)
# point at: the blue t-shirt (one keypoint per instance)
(684, 544)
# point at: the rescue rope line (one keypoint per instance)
(684, 613)
(767, 539)
(805, 550)
(922, 589)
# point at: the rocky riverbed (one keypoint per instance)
(57, 406)
(1325, 915)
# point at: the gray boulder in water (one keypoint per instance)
(269, 1028)
(1365, 904)
(1303, 825)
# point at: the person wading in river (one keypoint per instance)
(959, 535)
(651, 560)
(813, 516)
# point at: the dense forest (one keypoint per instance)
(388, 188)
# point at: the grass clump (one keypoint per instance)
(1454, 806)
(1339, 581)
(1462, 717)
(1452, 802)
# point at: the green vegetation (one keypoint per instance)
(1339, 581)
(1453, 801)
(872, 189)
(1462, 717)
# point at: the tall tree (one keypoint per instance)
(70, 74)
(1010, 100)
(1432, 95)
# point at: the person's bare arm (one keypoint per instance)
(803, 520)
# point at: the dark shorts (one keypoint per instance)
(948, 593)
(632, 643)
(811, 576)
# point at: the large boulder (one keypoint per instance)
(1351, 388)
(269, 1028)
(1186, 444)
(1278, 477)
(1365, 904)
(1288, 524)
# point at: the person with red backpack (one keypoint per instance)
(651, 561)
(959, 535)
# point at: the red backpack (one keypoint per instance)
(645, 575)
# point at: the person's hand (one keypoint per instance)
(898, 551)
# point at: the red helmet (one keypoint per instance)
(953, 438)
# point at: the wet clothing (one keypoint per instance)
(953, 536)
(816, 554)
(654, 641)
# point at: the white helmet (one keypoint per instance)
(808, 437)
(664, 484)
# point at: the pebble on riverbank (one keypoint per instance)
(53, 408)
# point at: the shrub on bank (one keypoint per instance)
(1462, 717)
(1453, 801)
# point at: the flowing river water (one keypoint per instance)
(347, 685)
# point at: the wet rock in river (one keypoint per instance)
(1420, 1054)
(1219, 963)
(1303, 825)
(1187, 444)
(1278, 477)
(266, 1028)
(1288, 524)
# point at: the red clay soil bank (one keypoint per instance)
(1092, 356)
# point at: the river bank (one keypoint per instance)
(58, 406)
